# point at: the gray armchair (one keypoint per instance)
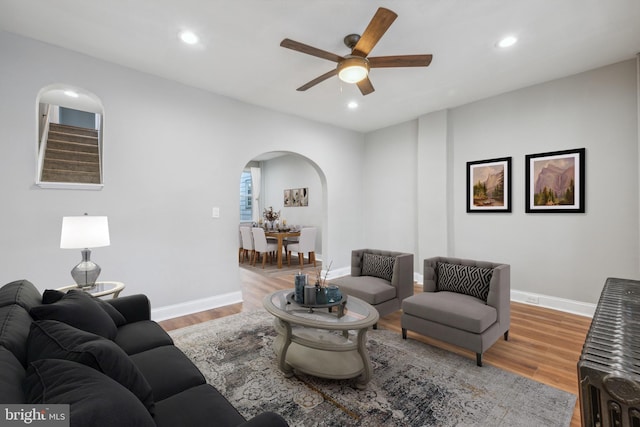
(381, 278)
(465, 303)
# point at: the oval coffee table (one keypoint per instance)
(318, 342)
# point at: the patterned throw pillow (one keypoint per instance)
(464, 279)
(378, 266)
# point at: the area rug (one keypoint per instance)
(413, 384)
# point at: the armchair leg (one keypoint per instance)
(479, 359)
(506, 335)
(404, 334)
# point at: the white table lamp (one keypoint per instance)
(84, 232)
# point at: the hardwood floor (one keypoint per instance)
(543, 345)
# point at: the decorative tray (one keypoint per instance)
(291, 298)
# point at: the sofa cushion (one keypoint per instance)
(372, 290)
(78, 309)
(378, 266)
(95, 399)
(141, 336)
(50, 296)
(21, 292)
(464, 279)
(14, 330)
(452, 309)
(210, 403)
(50, 339)
(167, 370)
(11, 376)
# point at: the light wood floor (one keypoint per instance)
(543, 345)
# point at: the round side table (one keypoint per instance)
(100, 289)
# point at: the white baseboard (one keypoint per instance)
(190, 307)
(556, 303)
(345, 271)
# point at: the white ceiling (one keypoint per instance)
(239, 54)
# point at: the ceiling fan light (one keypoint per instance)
(353, 69)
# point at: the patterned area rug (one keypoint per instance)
(413, 384)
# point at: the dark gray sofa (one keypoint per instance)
(106, 359)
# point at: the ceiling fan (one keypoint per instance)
(354, 68)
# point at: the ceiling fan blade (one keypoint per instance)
(317, 80)
(379, 24)
(365, 86)
(400, 61)
(310, 50)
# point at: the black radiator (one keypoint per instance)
(609, 367)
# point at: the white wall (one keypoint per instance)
(292, 171)
(566, 256)
(171, 153)
(389, 185)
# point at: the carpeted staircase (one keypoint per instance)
(72, 155)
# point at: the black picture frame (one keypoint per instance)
(489, 185)
(555, 182)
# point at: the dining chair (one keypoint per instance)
(261, 246)
(247, 244)
(289, 240)
(306, 244)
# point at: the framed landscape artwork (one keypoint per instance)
(555, 182)
(489, 185)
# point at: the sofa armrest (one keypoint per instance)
(500, 292)
(356, 261)
(134, 308)
(265, 419)
(403, 275)
(429, 277)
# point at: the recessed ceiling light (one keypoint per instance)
(71, 93)
(188, 37)
(507, 41)
(352, 105)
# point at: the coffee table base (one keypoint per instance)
(322, 353)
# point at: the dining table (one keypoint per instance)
(280, 235)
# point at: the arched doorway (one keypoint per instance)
(281, 172)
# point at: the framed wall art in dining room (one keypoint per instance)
(489, 185)
(296, 197)
(555, 182)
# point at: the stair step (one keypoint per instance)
(71, 146)
(69, 137)
(67, 176)
(73, 130)
(71, 165)
(55, 154)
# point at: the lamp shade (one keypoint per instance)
(84, 232)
